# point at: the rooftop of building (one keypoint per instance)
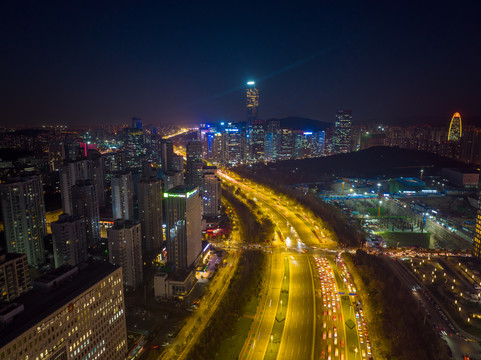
(182, 189)
(38, 305)
(5, 256)
(466, 170)
(66, 218)
(411, 181)
(124, 224)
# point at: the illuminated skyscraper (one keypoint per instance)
(211, 192)
(286, 144)
(257, 131)
(134, 147)
(193, 173)
(252, 101)
(342, 132)
(233, 144)
(455, 128)
(271, 140)
(183, 208)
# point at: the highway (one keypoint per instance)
(322, 320)
(308, 319)
(297, 339)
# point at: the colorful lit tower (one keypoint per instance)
(455, 128)
(252, 101)
(342, 132)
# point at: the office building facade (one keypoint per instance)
(211, 193)
(342, 132)
(150, 214)
(193, 173)
(252, 101)
(72, 313)
(183, 207)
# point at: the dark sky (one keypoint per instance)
(91, 62)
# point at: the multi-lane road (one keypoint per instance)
(313, 329)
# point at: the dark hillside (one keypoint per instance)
(371, 163)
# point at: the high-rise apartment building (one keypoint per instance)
(69, 237)
(470, 145)
(98, 174)
(56, 152)
(70, 173)
(84, 199)
(183, 208)
(125, 250)
(211, 192)
(193, 174)
(72, 313)
(14, 276)
(172, 179)
(177, 163)
(252, 101)
(115, 162)
(23, 211)
(167, 152)
(122, 196)
(150, 214)
(342, 132)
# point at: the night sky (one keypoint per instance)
(86, 62)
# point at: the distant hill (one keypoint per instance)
(371, 163)
(305, 124)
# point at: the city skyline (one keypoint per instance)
(237, 180)
(106, 64)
